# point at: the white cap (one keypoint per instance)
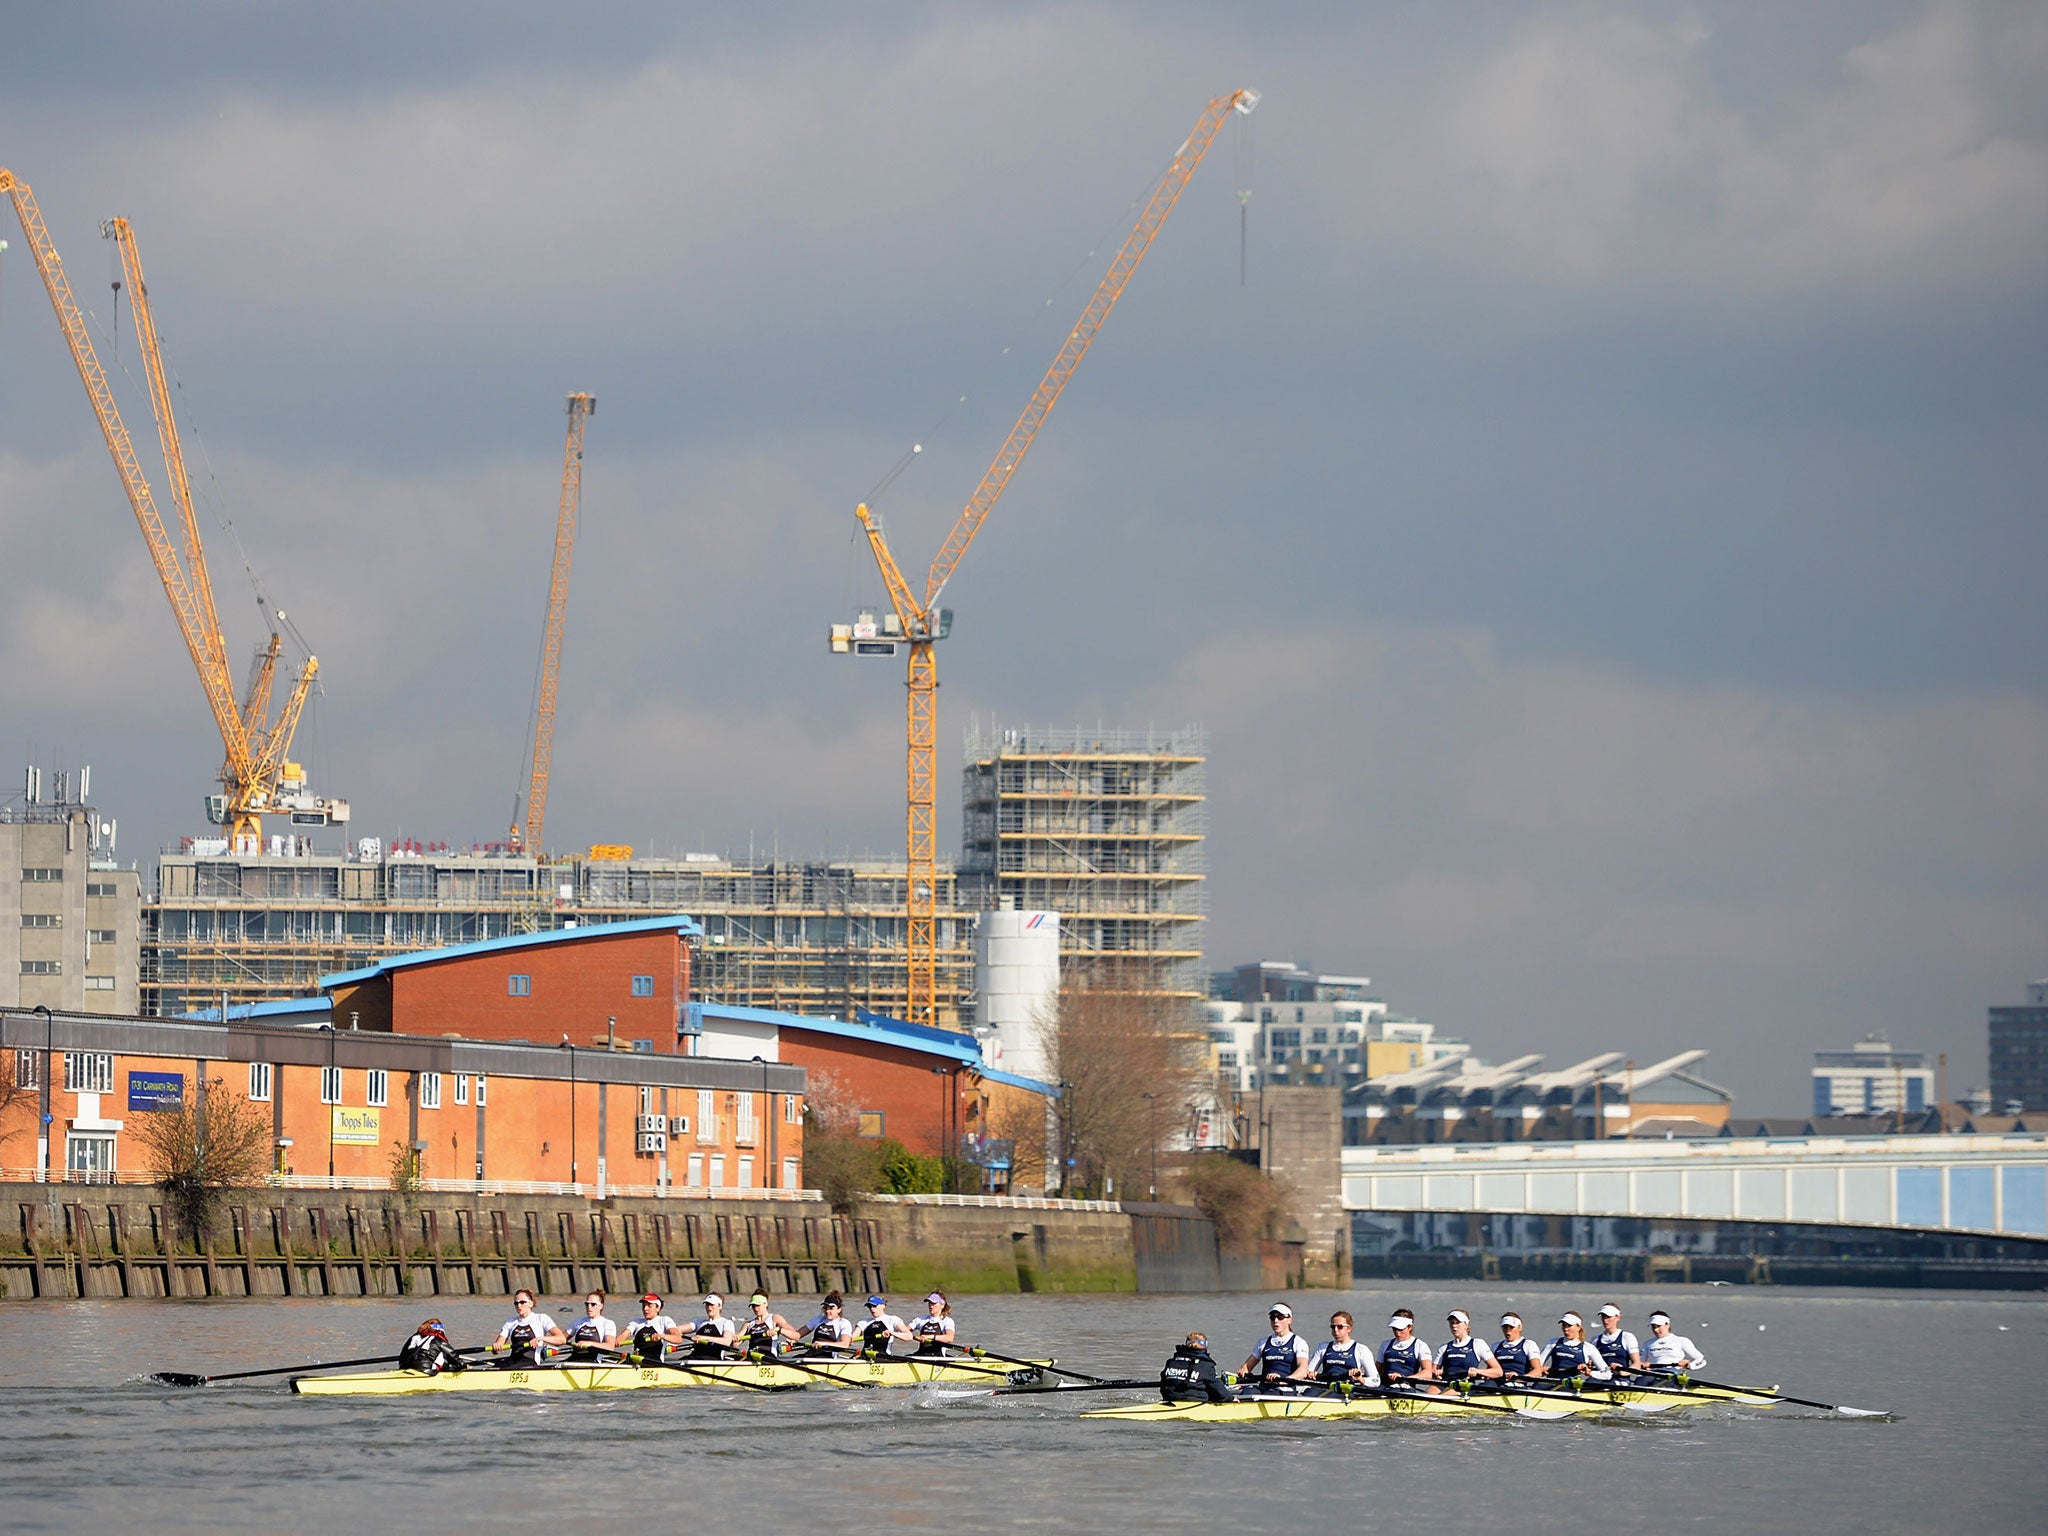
(1510, 1317)
(1280, 1309)
(1610, 1310)
(1571, 1320)
(714, 1296)
(1457, 1316)
(1660, 1317)
(1400, 1322)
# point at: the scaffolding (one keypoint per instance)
(1105, 827)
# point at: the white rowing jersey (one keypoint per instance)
(830, 1330)
(716, 1328)
(594, 1330)
(535, 1324)
(661, 1322)
(1673, 1350)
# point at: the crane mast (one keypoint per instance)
(581, 408)
(922, 622)
(254, 751)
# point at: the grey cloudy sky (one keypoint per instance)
(1603, 538)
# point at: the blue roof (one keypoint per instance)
(284, 1008)
(884, 1030)
(675, 923)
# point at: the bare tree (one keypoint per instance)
(1125, 1060)
(15, 1095)
(839, 1162)
(211, 1142)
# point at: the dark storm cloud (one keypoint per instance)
(1601, 534)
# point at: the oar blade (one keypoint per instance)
(1540, 1413)
(1864, 1413)
(176, 1379)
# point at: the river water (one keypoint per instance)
(90, 1447)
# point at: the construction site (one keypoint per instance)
(1103, 828)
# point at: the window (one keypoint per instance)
(1319, 1036)
(41, 876)
(89, 1159)
(743, 1131)
(27, 1070)
(100, 888)
(462, 1087)
(643, 1047)
(430, 1090)
(789, 1175)
(643, 986)
(694, 1179)
(259, 1080)
(42, 919)
(707, 1115)
(519, 986)
(42, 967)
(479, 1090)
(99, 983)
(746, 1173)
(870, 1123)
(647, 1096)
(717, 1170)
(376, 1092)
(88, 1072)
(330, 1085)
(792, 1109)
(99, 935)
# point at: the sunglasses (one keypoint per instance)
(593, 1303)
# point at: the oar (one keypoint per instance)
(1777, 1396)
(186, 1379)
(1082, 1386)
(1037, 1365)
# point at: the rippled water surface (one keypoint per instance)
(88, 1446)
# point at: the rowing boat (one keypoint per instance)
(895, 1372)
(1555, 1400)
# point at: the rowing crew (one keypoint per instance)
(1284, 1360)
(530, 1338)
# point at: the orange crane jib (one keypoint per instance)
(581, 408)
(255, 751)
(916, 616)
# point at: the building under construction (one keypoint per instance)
(1103, 827)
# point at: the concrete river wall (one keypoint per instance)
(93, 1241)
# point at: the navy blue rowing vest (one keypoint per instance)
(1569, 1359)
(1615, 1353)
(1398, 1359)
(1278, 1356)
(1339, 1361)
(1459, 1359)
(1515, 1358)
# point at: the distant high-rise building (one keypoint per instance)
(70, 920)
(1870, 1078)
(2019, 1052)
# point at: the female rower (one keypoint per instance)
(654, 1330)
(522, 1337)
(588, 1338)
(1404, 1357)
(934, 1331)
(1283, 1355)
(764, 1332)
(882, 1326)
(716, 1336)
(1343, 1359)
(1616, 1344)
(831, 1331)
(1517, 1354)
(1669, 1352)
(1464, 1356)
(1572, 1354)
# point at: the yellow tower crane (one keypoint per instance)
(255, 776)
(920, 624)
(581, 409)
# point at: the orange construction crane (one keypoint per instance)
(581, 409)
(255, 777)
(922, 623)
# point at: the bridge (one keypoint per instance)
(1993, 1186)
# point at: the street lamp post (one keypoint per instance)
(43, 1098)
(767, 1140)
(332, 1104)
(1152, 1115)
(945, 1076)
(575, 1177)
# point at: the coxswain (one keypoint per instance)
(1343, 1361)
(1571, 1356)
(1466, 1358)
(652, 1332)
(589, 1339)
(1517, 1353)
(524, 1334)
(934, 1331)
(881, 1327)
(1191, 1375)
(1616, 1344)
(716, 1336)
(429, 1352)
(763, 1333)
(1282, 1355)
(831, 1331)
(1405, 1358)
(1670, 1353)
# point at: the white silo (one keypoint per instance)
(1017, 979)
